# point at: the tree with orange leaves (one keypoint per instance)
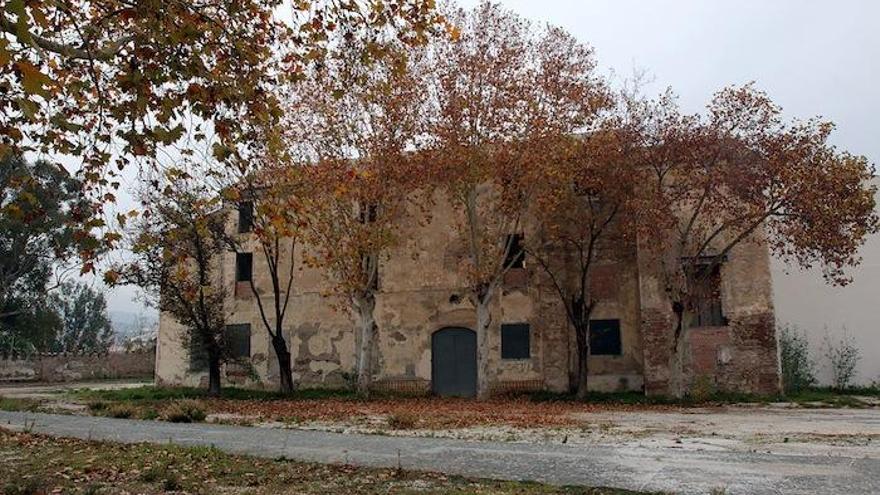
(357, 125)
(586, 205)
(507, 98)
(741, 174)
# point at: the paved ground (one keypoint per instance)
(677, 470)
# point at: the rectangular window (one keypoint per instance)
(605, 338)
(245, 216)
(238, 341)
(516, 254)
(706, 307)
(198, 356)
(515, 341)
(367, 213)
(244, 267)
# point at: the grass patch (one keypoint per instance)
(38, 464)
(10, 404)
(150, 393)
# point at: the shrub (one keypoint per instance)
(798, 369)
(403, 421)
(184, 411)
(97, 406)
(844, 357)
(120, 411)
(149, 414)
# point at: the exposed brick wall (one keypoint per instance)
(738, 358)
(66, 367)
(657, 341)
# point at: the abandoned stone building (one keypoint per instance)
(426, 341)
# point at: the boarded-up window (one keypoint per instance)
(244, 267)
(516, 254)
(515, 341)
(245, 216)
(605, 337)
(705, 308)
(238, 341)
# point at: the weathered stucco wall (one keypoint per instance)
(422, 291)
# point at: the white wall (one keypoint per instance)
(803, 298)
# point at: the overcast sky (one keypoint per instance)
(812, 57)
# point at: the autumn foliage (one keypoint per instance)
(344, 121)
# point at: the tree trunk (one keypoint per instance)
(676, 365)
(583, 352)
(365, 307)
(285, 371)
(484, 319)
(214, 374)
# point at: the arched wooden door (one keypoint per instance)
(454, 362)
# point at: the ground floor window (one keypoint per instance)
(605, 338)
(515, 341)
(238, 341)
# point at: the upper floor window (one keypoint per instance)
(516, 254)
(245, 216)
(368, 212)
(244, 267)
(706, 308)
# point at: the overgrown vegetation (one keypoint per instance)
(843, 356)
(95, 467)
(798, 368)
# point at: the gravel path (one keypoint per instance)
(637, 468)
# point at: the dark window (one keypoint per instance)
(368, 213)
(244, 267)
(605, 337)
(245, 216)
(198, 356)
(516, 254)
(238, 341)
(706, 307)
(515, 341)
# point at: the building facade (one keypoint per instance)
(425, 339)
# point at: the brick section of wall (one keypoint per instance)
(657, 336)
(738, 358)
(67, 368)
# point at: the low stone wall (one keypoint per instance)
(69, 367)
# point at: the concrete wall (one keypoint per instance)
(66, 368)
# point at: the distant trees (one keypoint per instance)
(85, 322)
(41, 211)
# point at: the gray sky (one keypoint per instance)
(812, 57)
